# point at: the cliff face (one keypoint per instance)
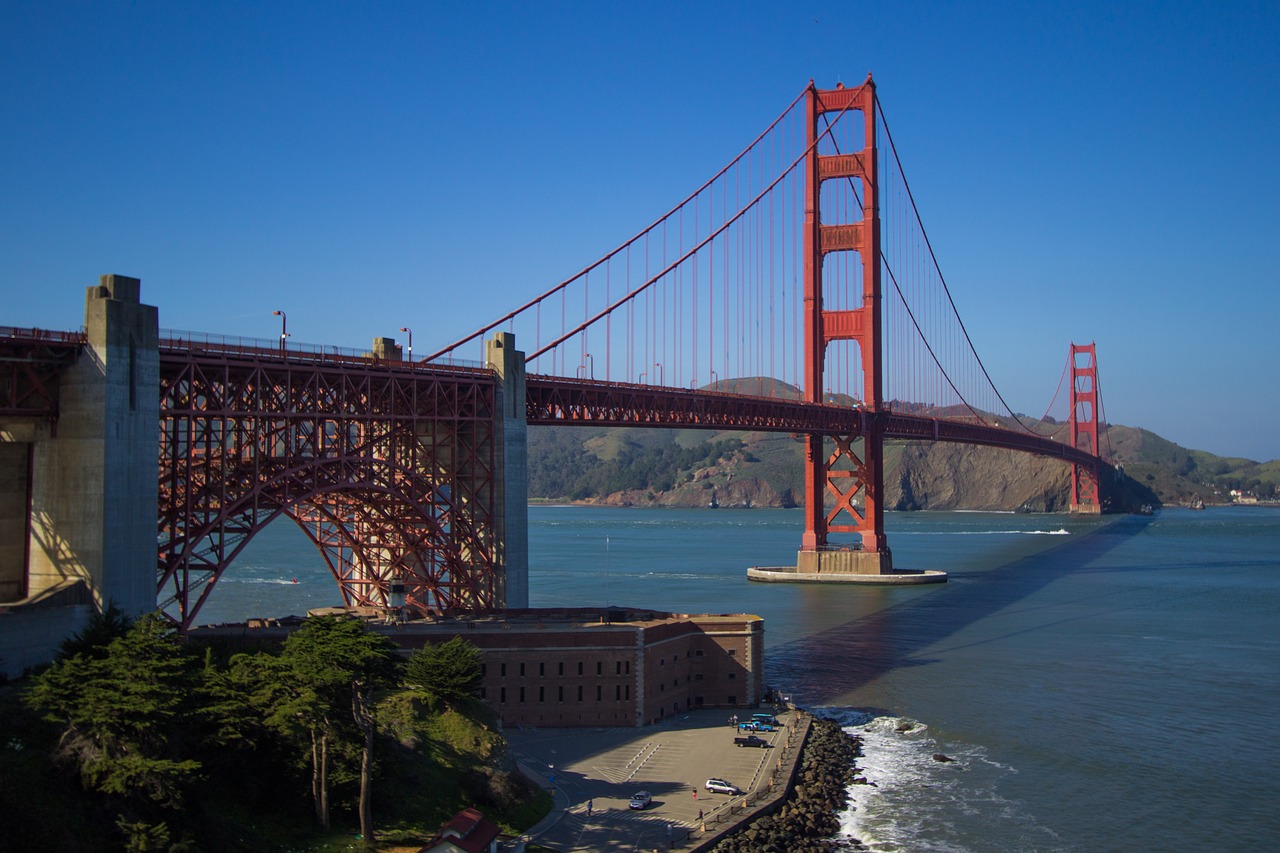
(954, 476)
(765, 470)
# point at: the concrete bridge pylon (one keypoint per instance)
(90, 482)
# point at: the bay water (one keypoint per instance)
(1097, 684)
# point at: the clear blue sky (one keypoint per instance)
(1087, 171)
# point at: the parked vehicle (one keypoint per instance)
(720, 786)
(641, 799)
(750, 740)
(755, 726)
(766, 719)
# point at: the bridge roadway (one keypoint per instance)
(559, 401)
(551, 400)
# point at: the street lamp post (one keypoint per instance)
(591, 365)
(410, 333)
(658, 365)
(284, 327)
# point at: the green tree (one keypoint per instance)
(451, 668)
(333, 666)
(254, 699)
(97, 634)
(122, 714)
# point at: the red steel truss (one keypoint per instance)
(388, 467)
(553, 400)
(1084, 426)
(31, 361)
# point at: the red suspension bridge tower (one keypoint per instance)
(1084, 427)
(846, 473)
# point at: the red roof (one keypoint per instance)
(467, 830)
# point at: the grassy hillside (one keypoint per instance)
(1177, 474)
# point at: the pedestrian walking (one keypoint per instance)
(695, 794)
(589, 804)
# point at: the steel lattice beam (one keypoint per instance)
(585, 402)
(389, 468)
(31, 361)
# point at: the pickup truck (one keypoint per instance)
(754, 726)
(750, 740)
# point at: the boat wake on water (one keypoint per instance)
(1059, 532)
(281, 581)
(914, 793)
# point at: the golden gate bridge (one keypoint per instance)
(795, 291)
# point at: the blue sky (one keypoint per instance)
(1087, 171)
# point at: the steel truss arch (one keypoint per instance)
(388, 469)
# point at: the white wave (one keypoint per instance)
(912, 801)
(1061, 531)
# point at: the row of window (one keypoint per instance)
(694, 653)
(621, 692)
(621, 667)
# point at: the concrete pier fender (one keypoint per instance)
(845, 566)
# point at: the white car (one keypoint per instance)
(641, 799)
(719, 786)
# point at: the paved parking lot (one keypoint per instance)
(604, 767)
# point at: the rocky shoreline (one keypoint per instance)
(806, 821)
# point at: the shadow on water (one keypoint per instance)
(822, 667)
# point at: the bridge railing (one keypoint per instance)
(181, 340)
(49, 335)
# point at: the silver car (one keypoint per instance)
(641, 800)
(720, 786)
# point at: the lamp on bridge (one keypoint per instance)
(410, 333)
(284, 327)
(588, 366)
(658, 365)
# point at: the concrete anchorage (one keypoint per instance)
(511, 515)
(92, 495)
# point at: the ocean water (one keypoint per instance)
(1099, 684)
